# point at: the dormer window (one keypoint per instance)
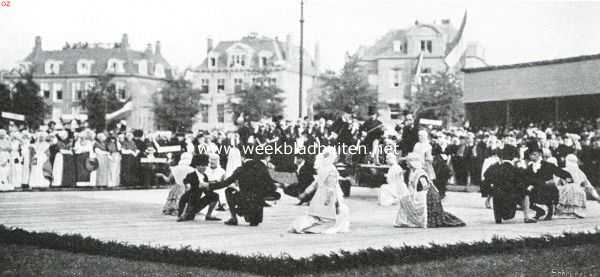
(115, 66)
(121, 91)
(263, 58)
(52, 67)
(142, 67)
(159, 71)
(237, 61)
(213, 59)
(84, 67)
(397, 46)
(427, 46)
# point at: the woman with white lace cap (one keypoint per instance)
(572, 196)
(391, 192)
(327, 213)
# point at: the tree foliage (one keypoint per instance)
(23, 98)
(348, 89)
(176, 105)
(101, 100)
(262, 99)
(439, 96)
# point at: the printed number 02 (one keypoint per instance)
(5, 4)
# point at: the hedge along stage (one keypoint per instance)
(284, 264)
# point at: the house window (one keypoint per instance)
(204, 86)
(221, 113)
(115, 66)
(204, 113)
(76, 91)
(159, 71)
(395, 78)
(212, 62)
(426, 70)
(237, 82)
(220, 85)
(84, 66)
(45, 90)
(264, 61)
(52, 67)
(238, 60)
(121, 91)
(395, 111)
(427, 46)
(58, 92)
(143, 67)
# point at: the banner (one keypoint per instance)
(433, 122)
(457, 48)
(168, 149)
(153, 160)
(13, 116)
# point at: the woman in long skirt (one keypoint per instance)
(64, 171)
(40, 159)
(391, 192)
(572, 196)
(5, 164)
(26, 154)
(129, 164)
(102, 155)
(84, 149)
(16, 161)
(327, 213)
(422, 206)
(114, 162)
(176, 177)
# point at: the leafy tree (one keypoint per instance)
(101, 100)
(24, 99)
(262, 99)
(439, 96)
(176, 105)
(349, 88)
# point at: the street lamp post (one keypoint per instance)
(301, 71)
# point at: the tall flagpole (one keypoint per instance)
(301, 58)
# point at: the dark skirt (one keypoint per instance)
(82, 174)
(69, 171)
(436, 216)
(129, 170)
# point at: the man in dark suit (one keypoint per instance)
(540, 178)
(306, 175)
(192, 202)
(371, 129)
(255, 186)
(410, 134)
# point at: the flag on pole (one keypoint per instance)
(417, 79)
(120, 113)
(456, 48)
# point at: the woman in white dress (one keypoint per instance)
(327, 213)
(572, 196)
(16, 161)
(26, 150)
(40, 158)
(176, 177)
(423, 150)
(103, 176)
(5, 150)
(391, 192)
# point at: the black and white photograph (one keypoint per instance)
(299, 138)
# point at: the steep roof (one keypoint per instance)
(100, 55)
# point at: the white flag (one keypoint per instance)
(457, 46)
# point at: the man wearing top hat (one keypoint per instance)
(193, 201)
(371, 130)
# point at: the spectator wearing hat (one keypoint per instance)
(371, 131)
(197, 197)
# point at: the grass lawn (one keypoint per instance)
(17, 260)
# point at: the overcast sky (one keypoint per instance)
(511, 32)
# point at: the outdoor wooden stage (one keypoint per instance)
(134, 216)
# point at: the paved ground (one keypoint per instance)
(135, 217)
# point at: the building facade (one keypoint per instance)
(517, 94)
(66, 75)
(232, 66)
(396, 62)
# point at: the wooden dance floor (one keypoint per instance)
(134, 217)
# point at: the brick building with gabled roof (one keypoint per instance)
(66, 75)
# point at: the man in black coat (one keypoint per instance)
(306, 175)
(371, 130)
(410, 135)
(192, 201)
(540, 178)
(255, 186)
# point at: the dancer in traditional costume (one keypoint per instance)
(84, 153)
(16, 161)
(5, 163)
(423, 149)
(305, 175)
(102, 155)
(198, 196)
(26, 154)
(422, 206)
(64, 169)
(327, 212)
(215, 173)
(395, 188)
(129, 162)
(178, 173)
(114, 161)
(572, 196)
(39, 160)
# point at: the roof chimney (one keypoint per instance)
(38, 44)
(124, 41)
(148, 49)
(209, 44)
(157, 48)
(416, 22)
